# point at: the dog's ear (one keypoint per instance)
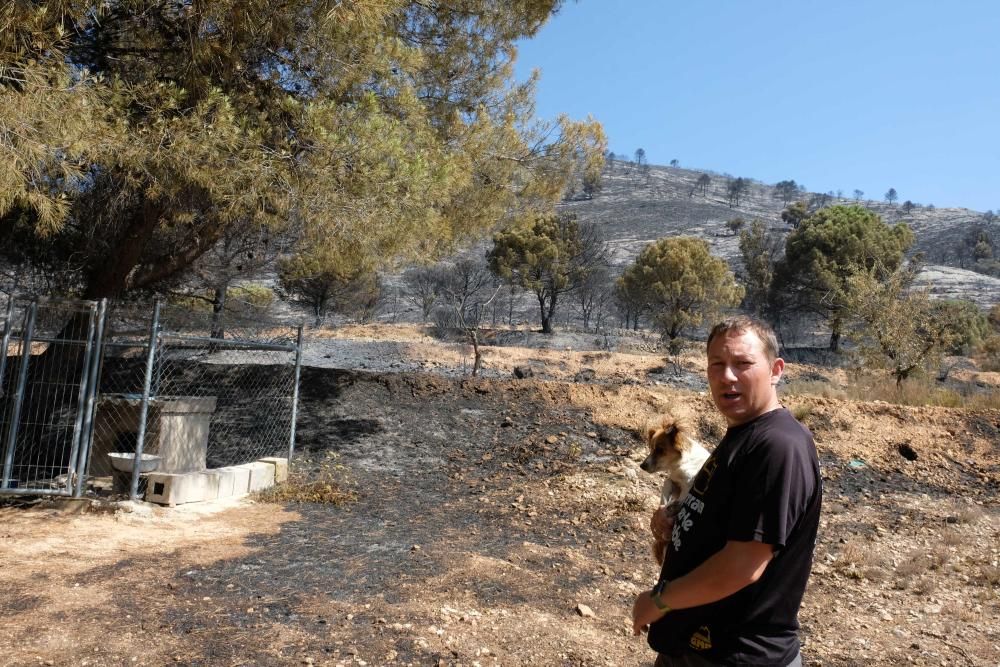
(665, 438)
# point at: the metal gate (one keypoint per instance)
(48, 375)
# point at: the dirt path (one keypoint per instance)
(487, 513)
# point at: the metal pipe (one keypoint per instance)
(7, 328)
(80, 401)
(34, 492)
(52, 339)
(59, 301)
(144, 407)
(295, 394)
(277, 347)
(22, 379)
(91, 401)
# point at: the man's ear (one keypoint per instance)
(777, 368)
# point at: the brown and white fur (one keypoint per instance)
(674, 451)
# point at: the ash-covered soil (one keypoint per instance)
(500, 521)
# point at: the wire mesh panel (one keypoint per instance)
(49, 347)
(117, 412)
(239, 379)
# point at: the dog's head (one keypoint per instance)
(667, 440)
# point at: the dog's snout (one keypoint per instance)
(647, 464)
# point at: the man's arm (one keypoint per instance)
(732, 568)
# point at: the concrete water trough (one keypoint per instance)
(176, 431)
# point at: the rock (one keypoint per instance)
(585, 611)
(552, 439)
(907, 452)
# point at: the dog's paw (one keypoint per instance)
(659, 551)
(673, 507)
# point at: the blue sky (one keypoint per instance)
(836, 95)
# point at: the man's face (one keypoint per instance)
(741, 377)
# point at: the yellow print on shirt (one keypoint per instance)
(702, 639)
(704, 477)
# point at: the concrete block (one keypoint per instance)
(212, 484)
(261, 475)
(179, 488)
(183, 432)
(233, 481)
(280, 467)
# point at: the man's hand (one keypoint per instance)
(644, 612)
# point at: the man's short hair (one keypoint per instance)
(742, 324)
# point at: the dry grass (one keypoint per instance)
(318, 482)
(952, 538)
(859, 561)
(959, 612)
(814, 388)
(924, 586)
(908, 573)
(917, 392)
(971, 514)
(990, 574)
(801, 412)
(938, 557)
(632, 502)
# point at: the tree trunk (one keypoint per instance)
(110, 278)
(476, 354)
(546, 322)
(218, 310)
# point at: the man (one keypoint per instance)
(741, 546)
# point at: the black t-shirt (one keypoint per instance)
(761, 483)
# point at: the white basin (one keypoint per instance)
(124, 461)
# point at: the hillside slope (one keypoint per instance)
(635, 209)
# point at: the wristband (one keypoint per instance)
(658, 601)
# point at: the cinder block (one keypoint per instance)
(280, 467)
(233, 481)
(179, 488)
(261, 475)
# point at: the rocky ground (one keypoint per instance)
(501, 521)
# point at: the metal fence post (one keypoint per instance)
(295, 394)
(7, 328)
(81, 398)
(154, 331)
(22, 378)
(90, 402)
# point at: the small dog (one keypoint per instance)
(672, 450)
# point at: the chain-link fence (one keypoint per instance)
(119, 391)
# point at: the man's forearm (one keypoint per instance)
(727, 571)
